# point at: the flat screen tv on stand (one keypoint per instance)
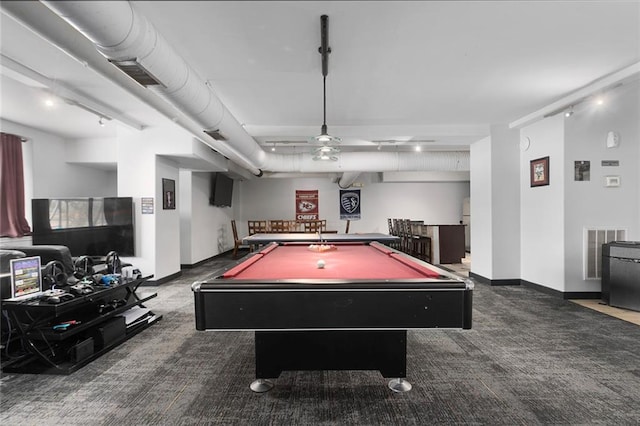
(87, 226)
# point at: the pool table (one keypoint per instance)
(352, 313)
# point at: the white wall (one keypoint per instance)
(505, 205)
(205, 230)
(92, 151)
(589, 204)
(141, 170)
(542, 212)
(481, 209)
(167, 231)
(185, 211)
(435, 203)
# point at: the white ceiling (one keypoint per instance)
(398, 71)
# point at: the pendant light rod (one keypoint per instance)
(324, 105)
(324, 50)
(324, 138)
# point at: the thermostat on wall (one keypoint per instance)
(611, 181)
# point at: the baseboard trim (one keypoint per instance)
(193, 265)
(484, 280)
(583, 295)
(566, 295)
(161, 280)
(542, 289)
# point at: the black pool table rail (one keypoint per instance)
(332, 309)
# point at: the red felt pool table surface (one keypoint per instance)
(347, 261)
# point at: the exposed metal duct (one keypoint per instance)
(373, 162)
(40, 20)
(123, 35)
(347, 179)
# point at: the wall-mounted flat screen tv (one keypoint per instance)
(88, 226)
(221, 192)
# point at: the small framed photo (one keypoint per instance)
(582, 170)
(539, 171)
(168, 194)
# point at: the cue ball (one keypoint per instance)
(320, 264)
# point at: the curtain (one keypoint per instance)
(12, 217)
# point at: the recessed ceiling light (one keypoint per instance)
(49, 102)
(418, 149)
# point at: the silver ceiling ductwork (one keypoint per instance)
(130, 42)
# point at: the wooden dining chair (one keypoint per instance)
(277, 226)
(312, 226)
(257, 226)
(237, 242)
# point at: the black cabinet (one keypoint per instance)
(447, 243)
(621, 274)
(61, 338)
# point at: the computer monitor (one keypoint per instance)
(26, 278)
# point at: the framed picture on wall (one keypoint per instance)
(168, 194)
(582, 171)
(539, 171)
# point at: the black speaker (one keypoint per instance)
(82, 350)
(109, 332)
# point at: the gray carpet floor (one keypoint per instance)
(530, 359)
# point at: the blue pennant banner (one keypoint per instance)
(349, 204)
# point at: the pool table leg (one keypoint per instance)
(261, 385)
(399, 385)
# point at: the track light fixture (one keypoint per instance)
(569, 113)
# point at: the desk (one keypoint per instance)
(52, 351)
(353, 314)
(330, 237)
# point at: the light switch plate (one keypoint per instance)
(611, 181)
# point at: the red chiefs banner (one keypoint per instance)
(307, 205)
